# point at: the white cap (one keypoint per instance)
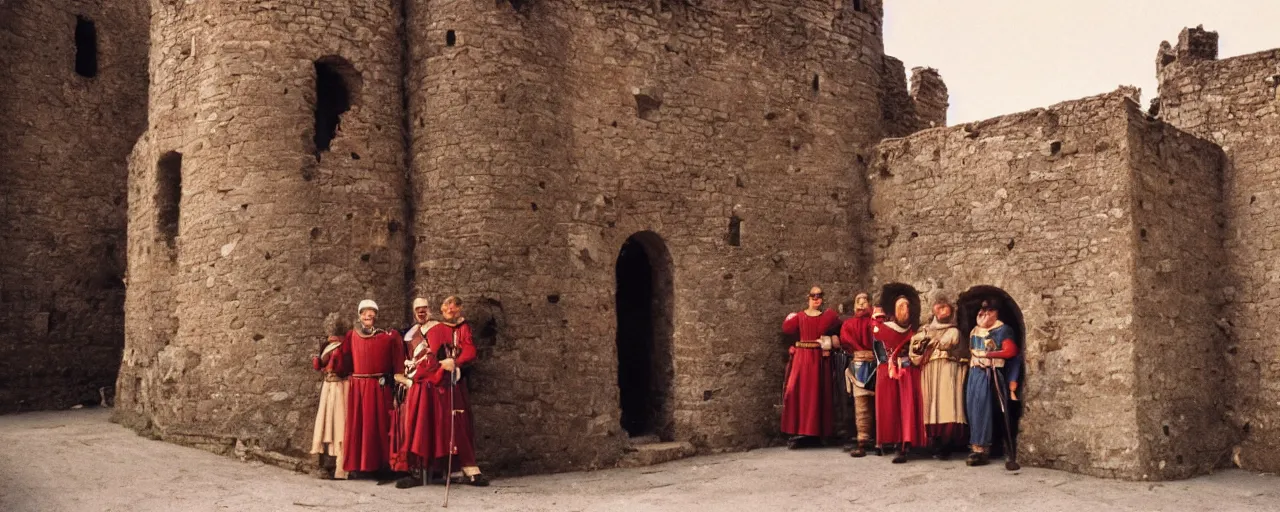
(420, 303)
(366, 304)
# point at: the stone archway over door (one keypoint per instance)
(966, 317)
(644, 298)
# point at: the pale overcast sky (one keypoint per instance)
(1003, 56)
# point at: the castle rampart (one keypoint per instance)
(1233, 103)
(1055, 208)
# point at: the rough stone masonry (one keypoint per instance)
(194, 188)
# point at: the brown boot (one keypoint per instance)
(977, 459)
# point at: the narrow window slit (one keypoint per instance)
(86, 47)
(168, 196)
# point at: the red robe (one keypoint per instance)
(418, 428)
(457, 337)
(368, 436)
(806, 399)
(898, 418)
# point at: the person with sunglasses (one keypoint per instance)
(807, 414)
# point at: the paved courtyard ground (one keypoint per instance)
(77, 460)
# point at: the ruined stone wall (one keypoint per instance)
(62, 194)
(929, 94)
(1181, 373)
(270, 239)
(1040, 205)
(563, 128)
(897, 110)
(908, 110)
(1232, 103)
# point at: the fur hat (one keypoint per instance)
(366, 304)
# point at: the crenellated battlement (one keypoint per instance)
(1194, 44)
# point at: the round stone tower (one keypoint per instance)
(631, 196)
(266, 198)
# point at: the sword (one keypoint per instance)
(1012, 464)
(453, 413)
(454, 376)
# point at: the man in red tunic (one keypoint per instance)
(855, 337)
(898, 418)
(416, 422)
(452, 429)
(806, 397)
(376, 357)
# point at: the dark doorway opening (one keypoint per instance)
(967, 317)
(645, 328)
(889, 294)
(336, 83)
(86, 47)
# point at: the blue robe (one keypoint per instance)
(981, 402)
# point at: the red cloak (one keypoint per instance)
(417, 419)
(806, 399)
(898, 418)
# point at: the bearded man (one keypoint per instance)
(944, 363)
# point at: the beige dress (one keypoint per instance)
(331, 417)
(942, 375)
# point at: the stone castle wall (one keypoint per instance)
(63, 144)
(1181, 374)
(1044, 205)
(1233, 103)
(507, 152)
(273, 236)
(574, 126)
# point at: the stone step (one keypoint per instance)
(655, 453)
(633, 442)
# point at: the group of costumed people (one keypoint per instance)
(925, 387)
(394, 406)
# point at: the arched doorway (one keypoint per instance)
(645, 327)
(967, 314)
(890, 292)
